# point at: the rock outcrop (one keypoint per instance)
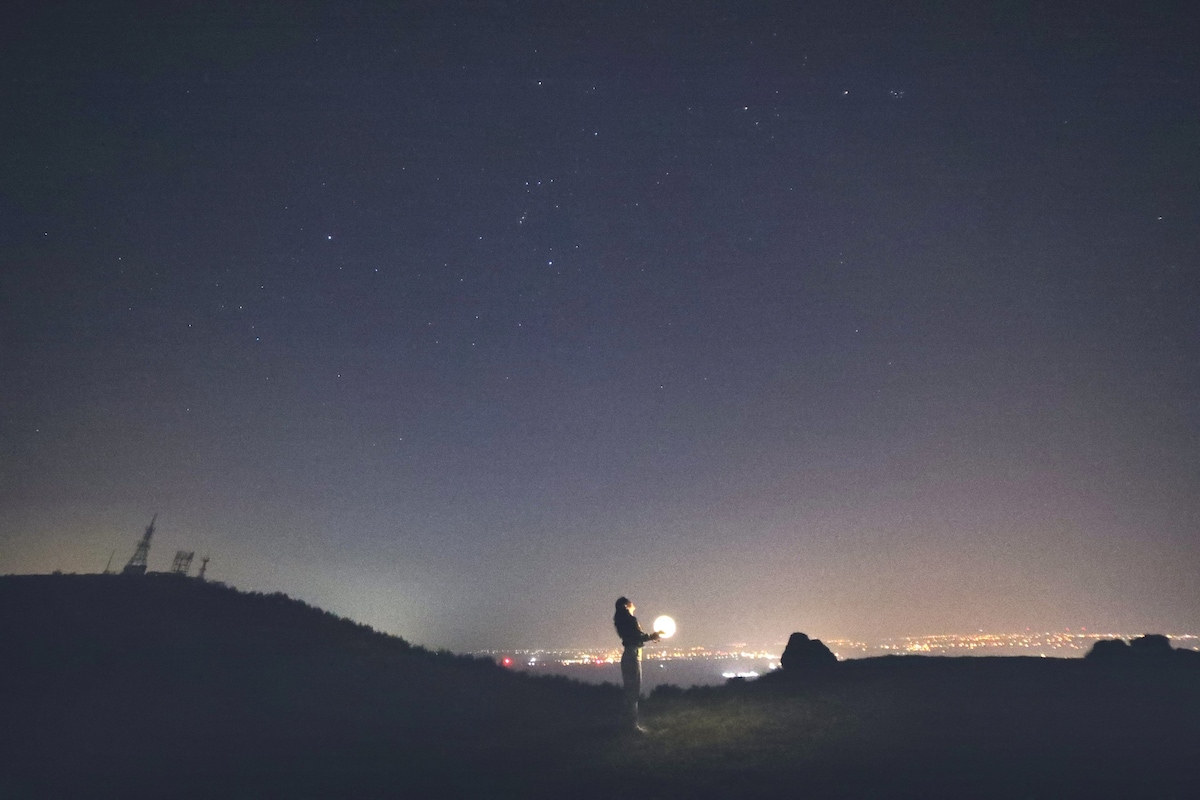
(804, 653)
(1152, 645)
(1109, 650)
(1152, 648)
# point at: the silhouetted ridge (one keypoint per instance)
(161, 617)
(118, 683)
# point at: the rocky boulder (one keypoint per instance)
(804, 653)
(1109, 650)
(1153, 648)
(1151, 645)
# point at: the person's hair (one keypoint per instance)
(621, 612)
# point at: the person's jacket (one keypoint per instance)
(630, 632)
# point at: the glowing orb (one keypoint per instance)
(666, 625)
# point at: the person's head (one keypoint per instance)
(624, 605)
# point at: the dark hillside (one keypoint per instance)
(913, 726)
(166, 686)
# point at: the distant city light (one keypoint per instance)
(707, 665)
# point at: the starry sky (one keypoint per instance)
(464, 318)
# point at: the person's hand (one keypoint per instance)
(656, 635)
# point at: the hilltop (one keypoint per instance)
(167, 686)
(162, 686)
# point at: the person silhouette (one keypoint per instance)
(632, 637)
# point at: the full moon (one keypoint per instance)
(666, 625)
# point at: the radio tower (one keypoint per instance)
(203, 568)
(182, 562)
(137, 562)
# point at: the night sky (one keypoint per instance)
(464, 318)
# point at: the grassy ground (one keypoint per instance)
(166, 688)
(928, 728)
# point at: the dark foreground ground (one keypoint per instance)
(167, 687)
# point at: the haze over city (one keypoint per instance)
(463, 320)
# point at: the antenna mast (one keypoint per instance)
(182, 562)
(137, 562)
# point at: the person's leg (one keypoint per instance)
(637, 696)
(631, 675)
